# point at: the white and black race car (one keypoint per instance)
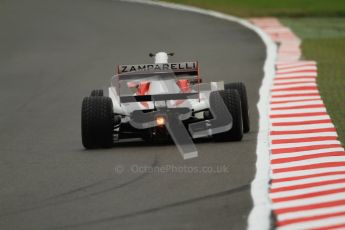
(163, 100)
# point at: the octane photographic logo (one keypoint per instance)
(173, 119)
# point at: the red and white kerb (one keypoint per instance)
(307, 160)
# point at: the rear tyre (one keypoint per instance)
(232, 100)
(241, 88)
(97, 122)
(97, 93)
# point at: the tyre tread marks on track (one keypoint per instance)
(99, 187)
(151, 210)
(308, 179)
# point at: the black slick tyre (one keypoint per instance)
(97, 93)
(241, 88)
(97, 122)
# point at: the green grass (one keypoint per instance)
(279, 8)
(331, 78)
(324, 41)
(316, 28)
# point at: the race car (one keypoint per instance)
(163, 100)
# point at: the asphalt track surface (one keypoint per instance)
(53, 53)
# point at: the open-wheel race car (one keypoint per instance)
(163, 100)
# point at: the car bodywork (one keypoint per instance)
(164, 100)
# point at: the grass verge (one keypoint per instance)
(324, 41)
(279, 8)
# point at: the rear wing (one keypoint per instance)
(129, 73)
(138, 71)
